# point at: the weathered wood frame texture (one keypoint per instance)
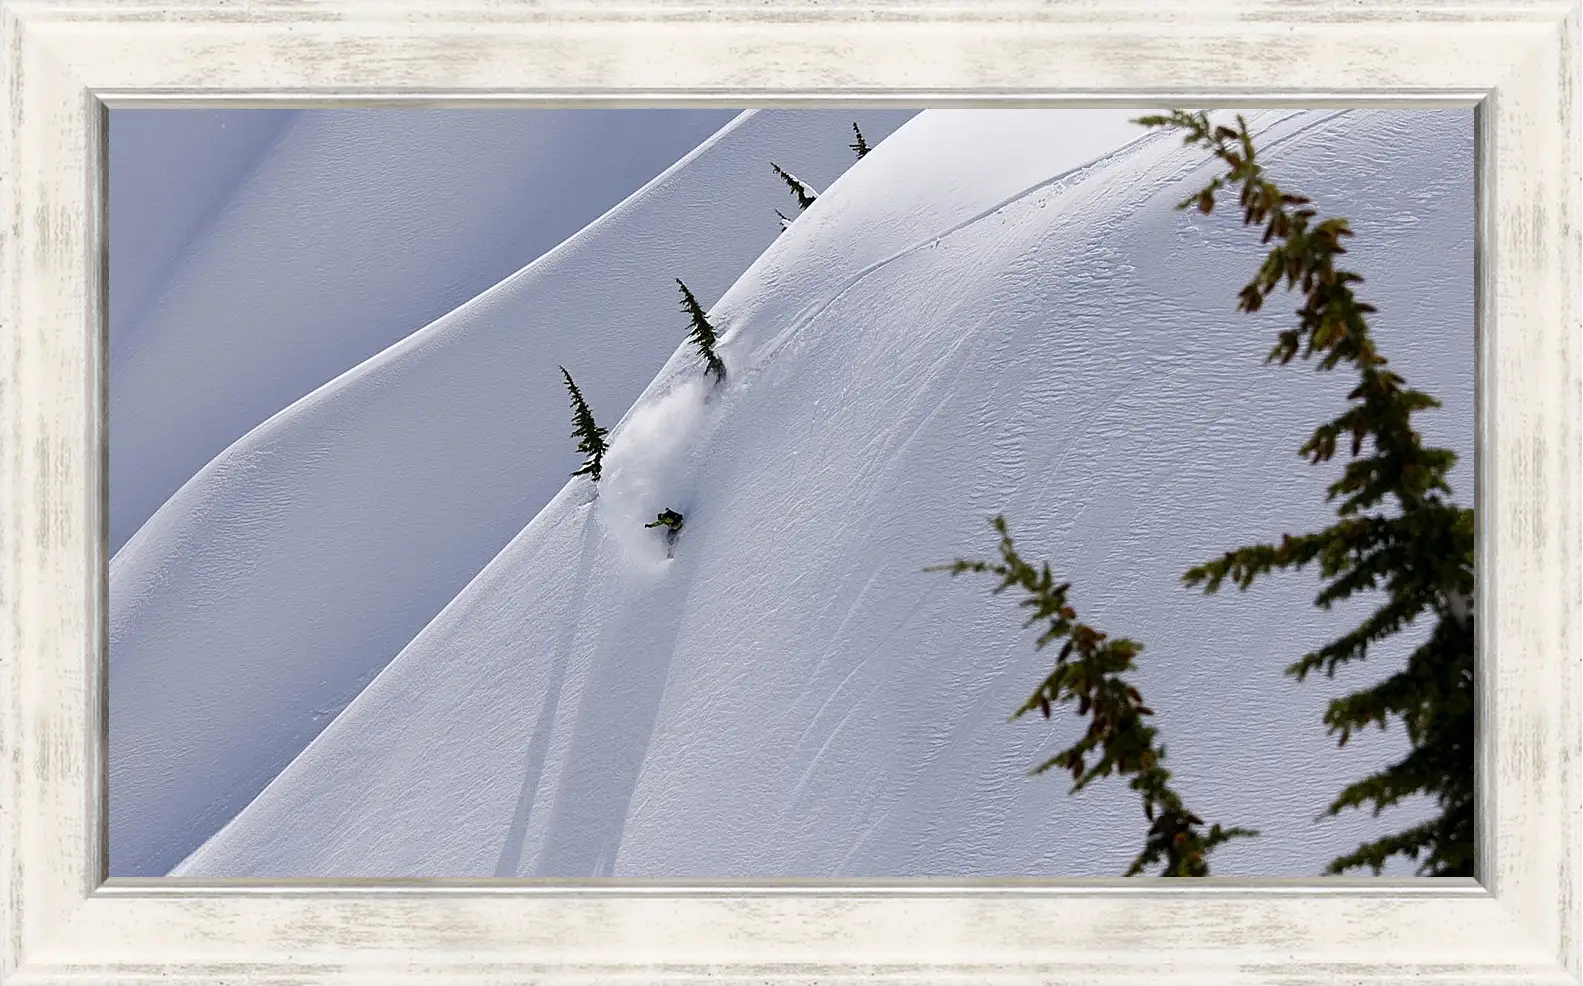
(64, 61)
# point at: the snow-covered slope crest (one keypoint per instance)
(792, 695)
(269, 589)
(355, 229)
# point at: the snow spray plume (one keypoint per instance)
(649, 469)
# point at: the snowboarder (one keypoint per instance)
(672, 522)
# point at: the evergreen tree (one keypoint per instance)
(1088, 670)
(591, 437)
(859, 146)
(1420, 553)
(1396, 529)
(804, 192)
(703, 334)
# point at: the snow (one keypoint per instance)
(171, 173)
(639, 480)
(995, 311)
(342, 232)
(259, 599)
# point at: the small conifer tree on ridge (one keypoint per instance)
(804, 192)
(703, 334)
(860, 146)
(591, 437)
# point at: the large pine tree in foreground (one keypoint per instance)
(1396, 533)
(703, 334)
(591, 437)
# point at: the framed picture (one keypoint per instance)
(481, 486)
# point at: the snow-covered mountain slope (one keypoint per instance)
(792, 695)
(171, 172)
(257, 601)
(356, 229)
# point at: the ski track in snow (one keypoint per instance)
(723, 713)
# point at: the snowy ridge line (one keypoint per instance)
(669, 378)
(567, 244)
(766, 353)
(426, 210)
(419, 335)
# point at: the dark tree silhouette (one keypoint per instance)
(1396, 531)
(860, 146)
(802, 190)
(1088, 671)
(703, 334)
(591, 437)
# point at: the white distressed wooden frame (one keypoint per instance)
(64, 61)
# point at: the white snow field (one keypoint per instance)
(275, 583)
(347, 231)
(171, 173)
(965, 323)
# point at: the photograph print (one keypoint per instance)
(680, 494)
